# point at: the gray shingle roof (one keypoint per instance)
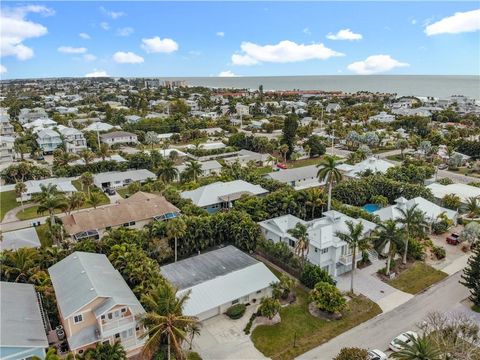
(17, 239)
(82, 277)
(21, 322)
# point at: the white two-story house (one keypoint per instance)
(326, 249)
(48, 140)
(74, 139)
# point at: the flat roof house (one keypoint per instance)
(221, 195)
(119, 137)
(116, 179)
(63, 185)
(13, 240)
(219, 279)
(135, 212)
(21, 326)
(325, 249)
(95, 304)
(299, 178)
(372, 163)
(208, 167)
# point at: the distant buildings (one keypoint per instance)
(21, 325)
(383, 117)
(95, 304)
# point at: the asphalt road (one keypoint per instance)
(379, 331)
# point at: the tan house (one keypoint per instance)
(95, 304)
(135, 212)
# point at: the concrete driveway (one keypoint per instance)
(223, 338)
(367, 283)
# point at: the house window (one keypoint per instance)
(291, 242)
(102, 317)
(324, 251)
(316, 250)
(80, 351)
(78, 318)
(110, 316)
(124, 310)
(235, 301)
(117, 335)
(108, 228)
(259, 291)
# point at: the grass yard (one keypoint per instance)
(7, 202)
(476, 308)
(122, 192)
(417, 278)
(276, 341)
(395, 157)
(45, 240)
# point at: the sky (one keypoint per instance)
(181, 39)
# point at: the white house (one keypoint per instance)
(119, 137)
(48, 140)
(332, 107)
(372, 163)
(63, 185)
(116, 179)
(98, 126)
(463, 191)
(13, 240)
(299, 178)
(325, 249)
(7, 151)
(211, 167)
(383, 117)
(74, 139)
(219, 279)
(242, 110)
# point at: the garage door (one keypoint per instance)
(208, 314)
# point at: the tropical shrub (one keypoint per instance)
(471, 232)
(445, 181)
(416, 250)
(451, 201)
(269, 307)
(250, 324)
(327, 297)
(439, 252)
(352, 354)
(313, 274)
(236, 311)
(440, 227)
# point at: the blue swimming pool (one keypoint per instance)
(371, 207)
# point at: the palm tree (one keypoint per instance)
(19, 265)
(62, 157)
(193, 170)
(50, 199)
(176, 228)
(356, 240)
(315, 199)
(106, 351)
(284, 150)
(192, 329)
(75, 201)
(167, 172)
(22, 148)
(302, 245)
(104, 151)
(330, 174)
(391, 235)
(411, 218)
(472, 206)
(95, 198)
(418, 348)
(50, 355)
(165, 320)
(87, 156)
(86, 179)
(20, 188)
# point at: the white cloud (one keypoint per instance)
(104, 25)
(413, 21)
(113, 14)
(126, 31)
(307, 31)
(284, 52)
(220, 33)
(129, 57)
(3, 69)
(15, 28)
(97, 73)
(157, 45)
(89, 57)
(72, 50)
(375, 64)
(227, 73)
(84, 36)
(460, 22)
(344, 34)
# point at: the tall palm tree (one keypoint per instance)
(62, 157)
(328, 172)
(104, 151)
(356, 240)
(193, 170)
(75, 201)
(167, 172)
(95, 198)
(22, 148)
(302, 245)
(49, 200)
(87, 156)
(315, 199)
(19, 265)
(106, 352)
(20, 188)
(86, 179)
(391, 235)
(176, 228)
(472, 206)
(165, 321)
(284, 150)
(411, 218)
(419, 348)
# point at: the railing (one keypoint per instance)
(346, 259)
(115, 324)
(131, 342)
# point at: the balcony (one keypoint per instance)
(131, 342)
(345, 259)
(109, 327)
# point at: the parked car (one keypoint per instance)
(453, 239)
(376, 355)
(404, 338)
(442, 166)
(110, 191)
(282, 166)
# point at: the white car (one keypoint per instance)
(397, 343)
(376, 355)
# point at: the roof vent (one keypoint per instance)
(82, 272)
(91, 289)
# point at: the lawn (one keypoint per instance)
(45, 240)
(122, 192)
(277, 341)
(7, 202)
(395, 157)
(417, 278)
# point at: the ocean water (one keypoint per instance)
(417, 85)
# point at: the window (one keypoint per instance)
(235, 301)
(117, 335)
(324, 251)
(291, 242)
(102, 317)
(259, 291)
(124, 310)
(110, 316)
(80, 351)
(316, 250)
(108, 228)
(78, 318)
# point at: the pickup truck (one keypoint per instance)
(453, 239)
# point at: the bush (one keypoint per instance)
(328, 298)
(249, 324)
(439, 252)
(416, 250)
(352, 354)
(269, 307)
(236, 311)
(445, 181)
(313, 274)
(440, 227)
(192, 355)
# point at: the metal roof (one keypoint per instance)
(20, 320)
(134, 175)
(17, 239)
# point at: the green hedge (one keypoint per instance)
(236, 311)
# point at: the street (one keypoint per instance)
(379, 331)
